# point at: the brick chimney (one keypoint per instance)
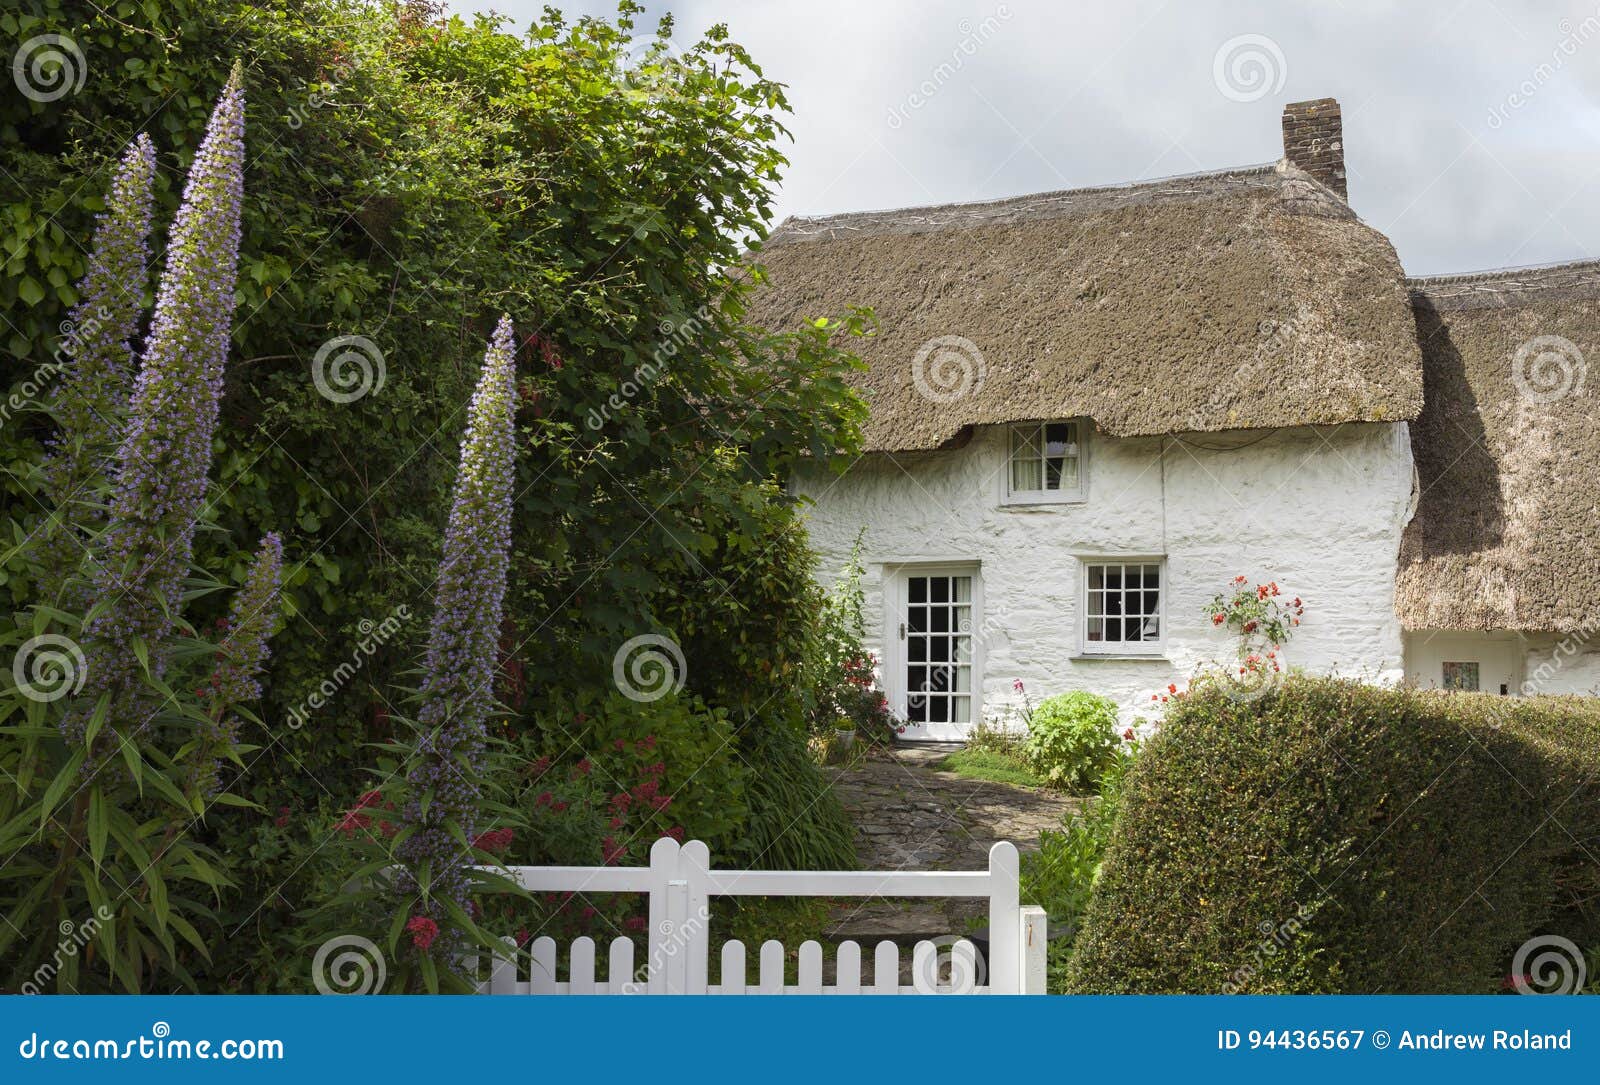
(1313, 140)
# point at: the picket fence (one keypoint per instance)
(680, 883)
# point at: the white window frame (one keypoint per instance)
(1075, 496)
(895, 661)
(1118, 649)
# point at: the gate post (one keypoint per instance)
(1005, 919)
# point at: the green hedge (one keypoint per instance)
(1338, 837)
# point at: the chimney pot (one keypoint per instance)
(1313, 141)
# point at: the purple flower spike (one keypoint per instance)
(459, 669)
(96, 355)
(97, 351)
(165, 455)
(252, 616)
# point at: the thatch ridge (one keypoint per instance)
(1235, 299)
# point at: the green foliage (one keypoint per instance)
(685, 746)
(843, 685)
(408, 178)
(1072, 739)
(795, 822)
(1061, 875)
(1337, 837)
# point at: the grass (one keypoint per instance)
(996, 766)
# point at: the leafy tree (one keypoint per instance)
(410, 175)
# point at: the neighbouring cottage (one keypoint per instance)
(1092, 409)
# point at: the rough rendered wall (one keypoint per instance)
(1321, 511)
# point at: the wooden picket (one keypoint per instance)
(680, 884)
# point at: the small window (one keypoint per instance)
(1045, 463)
(1123, 607)
(1461, 676)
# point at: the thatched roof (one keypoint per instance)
(1249, 298)
(1508, 453)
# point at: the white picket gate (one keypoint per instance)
(680, 883)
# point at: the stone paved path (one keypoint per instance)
(910, 816)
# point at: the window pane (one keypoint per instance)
(939, 619)
(1052, 474)
(1152, 629)
(963, 680)
(963, 589)
(1113, 629)
(916, 709)
(1097, 603)
(939, 649)
(1461, 676)
(917, 649)
(939, 588)
(1152, 602)
(961, 710)
(1097, 629)
(964, 650)
(917, 619)
(939, 710)
(1152, 576)
(1025, 442)
(1059, 440)
(1133, 577)
(1025, 476)
(919, 589)
(1096, 577)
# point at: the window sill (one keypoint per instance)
(1041, 502)
(1124, 657)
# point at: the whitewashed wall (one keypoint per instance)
(1531, 663)
(1318, 510)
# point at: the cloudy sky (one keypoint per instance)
(1472, 127)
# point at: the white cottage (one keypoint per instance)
(1092, 409)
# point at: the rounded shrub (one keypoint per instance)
(1339, 837)
(1072, 739)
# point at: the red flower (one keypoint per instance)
(1216, 619)
(634, 923)
(371, 798)
(495, 840)
(1128, 734)
(611, 849)
(423, 931)
(283, 817)
(352, 821)
(676, 832)
(1172, 687)
(1017, 685)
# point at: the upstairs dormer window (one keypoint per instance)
(1046, 463)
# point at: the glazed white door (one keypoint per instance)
(936, 678)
